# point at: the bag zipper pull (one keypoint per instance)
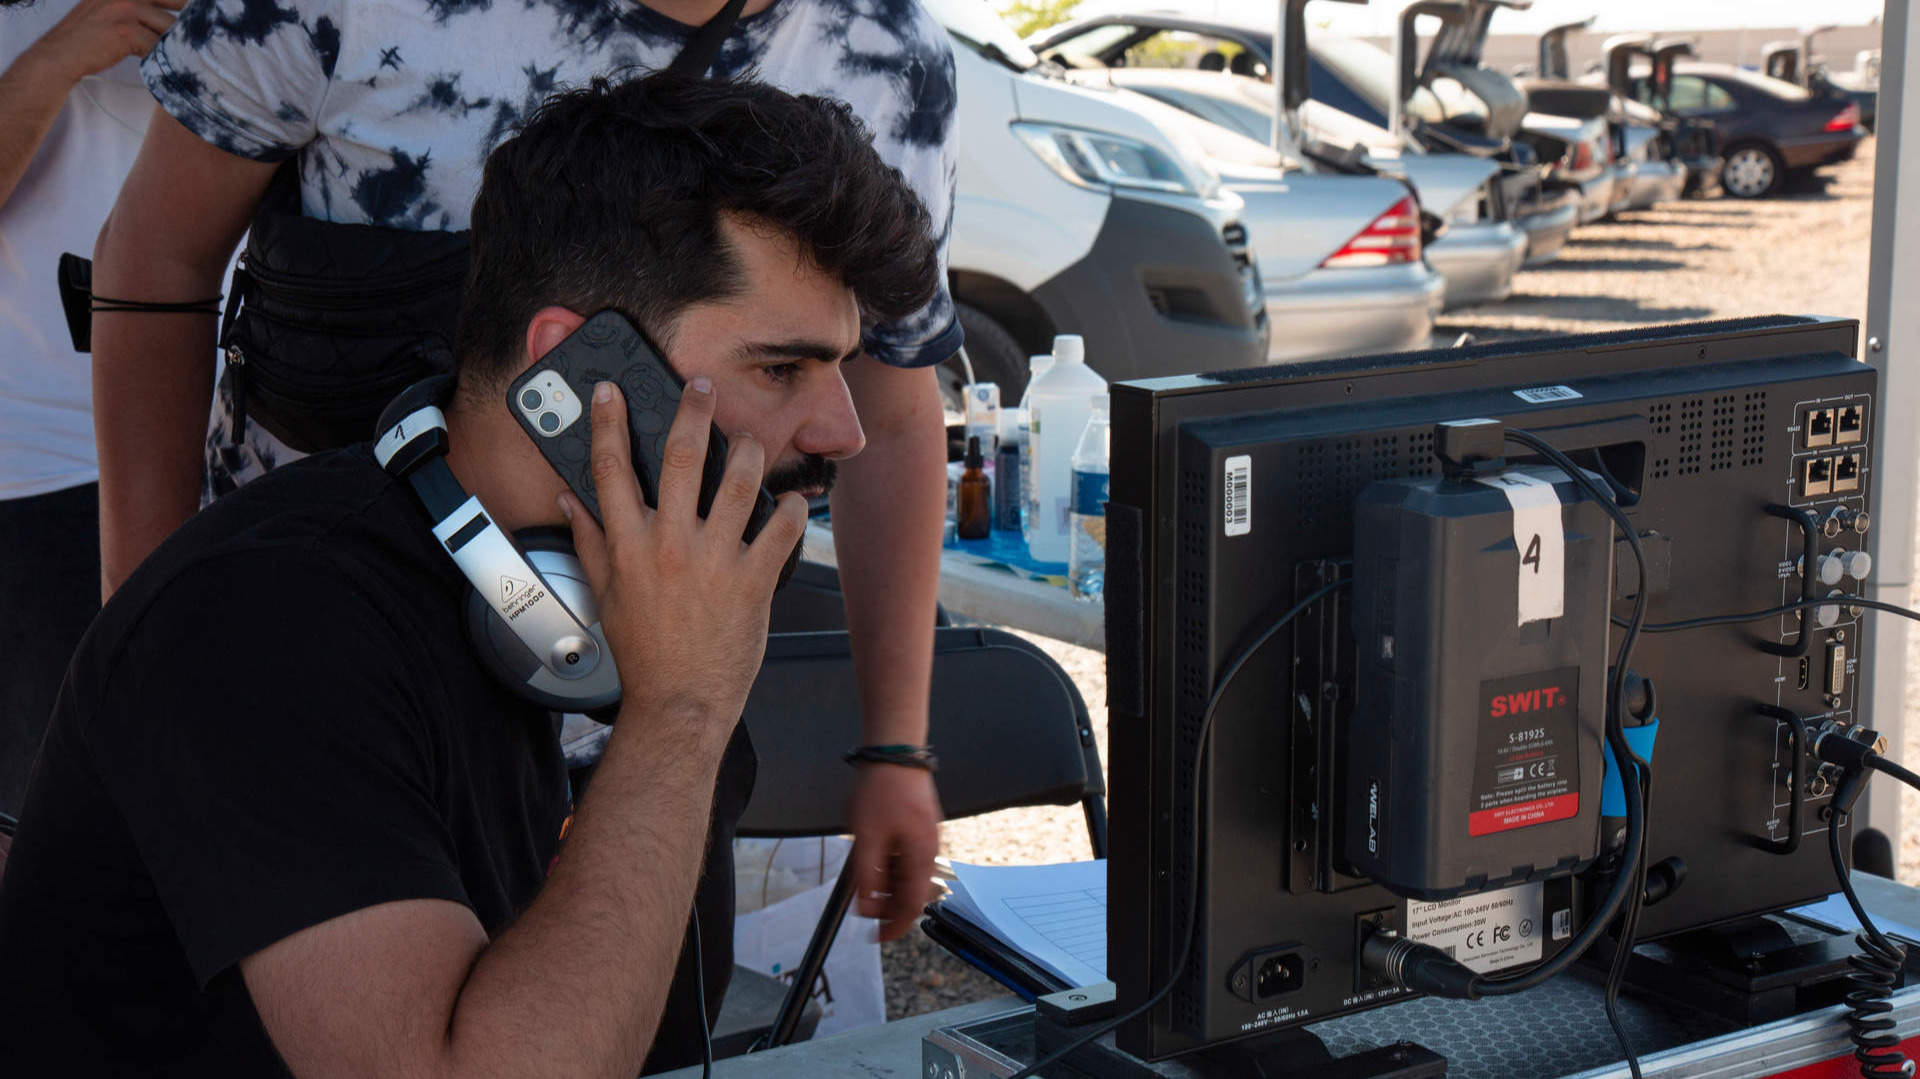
(237, 383)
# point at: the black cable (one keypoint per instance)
(1623, 950)
(1179, 967)
(700, 998)
(1630, 763)
(1874, 975)
(1774, 612)
(9, 824)
(1622, 494)
(1630, 885)
(1881, 764)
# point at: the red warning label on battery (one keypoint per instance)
(1489, 821)
(1527, 770)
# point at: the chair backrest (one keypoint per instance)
(812, 602)
(1007, 723)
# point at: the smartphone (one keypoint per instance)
(552, 400)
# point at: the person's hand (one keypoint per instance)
(683, 601)
(895, 814)
(98, 34)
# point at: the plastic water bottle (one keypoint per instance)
(1057, 411)
(1087, 561)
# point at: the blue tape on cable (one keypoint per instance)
(1613, 801)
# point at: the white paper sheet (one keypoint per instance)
(1055, 915)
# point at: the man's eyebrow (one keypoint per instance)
(796, 348)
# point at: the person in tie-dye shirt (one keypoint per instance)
(390, 106)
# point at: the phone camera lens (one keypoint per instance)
(530, 399)
(549, 422)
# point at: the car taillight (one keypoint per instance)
(1845, 121)
(1582, 156)
(1394, 237)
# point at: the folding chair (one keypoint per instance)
(1007, 723)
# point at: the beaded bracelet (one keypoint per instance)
(910, 756)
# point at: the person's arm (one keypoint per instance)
(575, 987)
(92, 37)
(889, 508)
(182, 209)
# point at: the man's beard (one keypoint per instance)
(811, 474)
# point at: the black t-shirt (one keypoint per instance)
(277, 721)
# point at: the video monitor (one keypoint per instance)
(1417, 753)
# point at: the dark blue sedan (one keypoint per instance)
(1766, 128)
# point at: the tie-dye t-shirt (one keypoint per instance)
(392, 105)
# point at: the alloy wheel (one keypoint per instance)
(1749, 173)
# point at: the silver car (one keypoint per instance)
(1339, 256)
(1238, 94)
(1477, 252)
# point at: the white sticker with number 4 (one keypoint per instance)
(1542, 545)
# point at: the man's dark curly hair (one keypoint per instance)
(610, 196)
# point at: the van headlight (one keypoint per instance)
(1095, 159)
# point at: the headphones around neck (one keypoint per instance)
(530, 614)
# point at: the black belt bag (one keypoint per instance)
(326, 323)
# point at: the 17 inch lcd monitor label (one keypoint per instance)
(1527, 770)
(1486, 932)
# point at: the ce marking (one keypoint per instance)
(1475, 939)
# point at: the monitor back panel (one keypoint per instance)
(1711, 423)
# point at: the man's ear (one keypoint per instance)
(548, 327)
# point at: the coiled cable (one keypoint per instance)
(1874, 973)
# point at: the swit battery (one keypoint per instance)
(1472, 758)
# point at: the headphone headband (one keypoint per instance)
(565, 663)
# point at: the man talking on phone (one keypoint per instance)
(285, 821)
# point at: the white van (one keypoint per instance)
(1077, 214)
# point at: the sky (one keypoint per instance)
(1614, 15)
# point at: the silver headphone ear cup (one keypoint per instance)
(504, 655)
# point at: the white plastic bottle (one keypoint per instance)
(1058, 406)
(1036, 366)
(1087, 558)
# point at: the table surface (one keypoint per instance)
(880, 1052)
(893, 1049)
(979, 590)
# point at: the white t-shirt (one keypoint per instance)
(46, 392)
(393, 105)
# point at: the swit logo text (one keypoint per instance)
(1531, 700)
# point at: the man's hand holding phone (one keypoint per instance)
(683, 600)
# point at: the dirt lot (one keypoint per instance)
(1803, 253)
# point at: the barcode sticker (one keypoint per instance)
(1539, 395)
(1239, 495)
(1562, 923)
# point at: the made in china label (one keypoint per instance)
(1527, 771)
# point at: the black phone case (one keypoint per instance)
(608, 348)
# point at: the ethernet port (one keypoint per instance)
(1817, 428)
(1846, 473)
(1847, 428)
(1816, 477)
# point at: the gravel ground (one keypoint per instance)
(1697, 259)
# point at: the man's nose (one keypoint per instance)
(832, 428)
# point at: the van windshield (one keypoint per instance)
(975, 25)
